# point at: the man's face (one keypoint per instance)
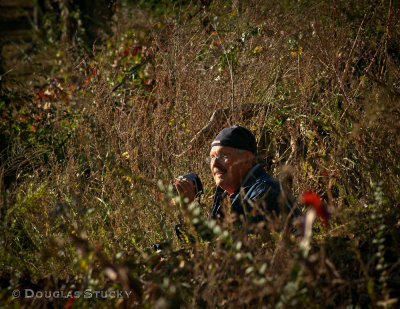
(230, 166)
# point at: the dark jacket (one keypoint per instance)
(258, 189)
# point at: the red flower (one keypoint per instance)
(315, 201)
(87, 80)
(136, 50)
(41, 94)
(69, 302)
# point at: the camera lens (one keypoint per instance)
(198, 186)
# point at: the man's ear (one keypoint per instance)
(250, 157)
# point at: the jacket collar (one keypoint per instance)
(255, 173)
(252, 176)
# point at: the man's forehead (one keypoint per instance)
(222, 149)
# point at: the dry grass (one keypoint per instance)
(318, 84)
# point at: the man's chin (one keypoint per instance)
(219, 181)
(223, 183)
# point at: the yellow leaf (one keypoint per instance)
(127, 178)
(83, 264)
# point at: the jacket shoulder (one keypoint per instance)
(265, 184)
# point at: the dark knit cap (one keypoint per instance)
(236, 137)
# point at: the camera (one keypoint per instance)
(198, 186)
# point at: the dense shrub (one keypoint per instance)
(91, 145)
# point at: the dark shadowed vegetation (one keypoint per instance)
(101, 108)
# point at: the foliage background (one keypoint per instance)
(106, 117)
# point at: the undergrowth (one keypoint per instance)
(92, 141)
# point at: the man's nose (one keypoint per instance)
(214, 163)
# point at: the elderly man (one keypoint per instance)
(253, 193)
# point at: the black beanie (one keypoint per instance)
(236, 137)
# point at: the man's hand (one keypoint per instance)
(186, 188)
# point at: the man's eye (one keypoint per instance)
(217, 157)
